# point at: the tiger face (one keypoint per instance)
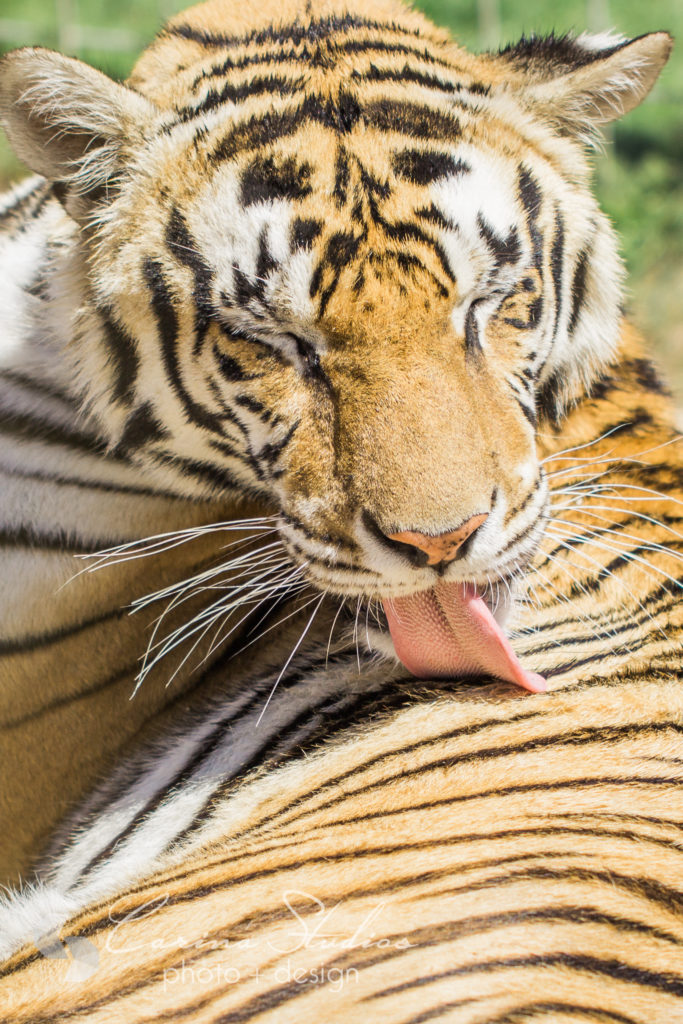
(340, 264)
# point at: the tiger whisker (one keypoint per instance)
(156, 543)
(585, 618)
(218, 611)
(252, 586)
(280, 590)
(591, 535)
(567, 543)
(632, 513)
(618, 534)
(591, 625)
(355, 632)
(291, 656)
(656, 495)
(608, 460)
(591, 511)
(276, 624)
(243, 561)
(581, 447)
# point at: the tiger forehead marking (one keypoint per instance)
(371, 111)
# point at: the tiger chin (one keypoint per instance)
(315, 266)
(343, 290)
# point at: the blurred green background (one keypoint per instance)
(638, 177)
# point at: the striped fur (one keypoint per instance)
(317, 275)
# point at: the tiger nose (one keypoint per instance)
(444, 547)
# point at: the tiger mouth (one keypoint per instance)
(453, 630)
(445, 628)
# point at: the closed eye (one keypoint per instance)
(248, 325)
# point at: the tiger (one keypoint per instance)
(314, 353)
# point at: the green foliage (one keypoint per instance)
(639, 178)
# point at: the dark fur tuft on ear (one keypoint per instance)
(554, 55)
(582, 82)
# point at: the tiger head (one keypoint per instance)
(338, 263)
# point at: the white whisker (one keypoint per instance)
(289, 659)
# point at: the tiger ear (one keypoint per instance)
(67, 121)
(587, 81)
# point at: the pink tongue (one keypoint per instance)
(449, 631)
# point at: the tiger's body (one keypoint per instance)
(373, 299)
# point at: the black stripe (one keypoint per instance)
(592, 1014)
(313, 31)
(531, 197)
(230, 369)
(128, 672)
(20, 645)
(388, 755)
(41, 387)
(31, 427)
(643, 888)
(271, 451)
(472, 340)
(424, 166)
(599, 781)
(184, 247)
(275, 57)
(61, 540)
(208, 746)
(141, 428)
(218, 477)
(167, 325)
(442, 934)
(122, 349)
(406, 262)
(417, 77)
(577, 738)
(319, 726)
(304, 232)
(434, 216)
(415, 120)
(557, 266)
(530, 415)
(617, 970)
(39, 194)
(258, 130)
(384, 46)
(84, 483)
(283, 846)
(340, 250)
(264, 179)
(556, 54)
(440, 1010)
(578, 289)
(341, 177)
(647, 376)
(261, 85)
(504, 250)
(339, 115)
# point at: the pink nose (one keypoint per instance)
(445, 546)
